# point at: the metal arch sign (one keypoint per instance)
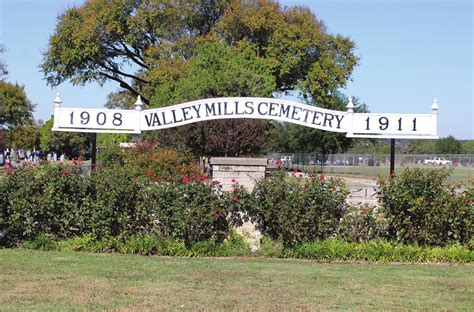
(371, 125)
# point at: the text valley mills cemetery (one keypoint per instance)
(242, 108)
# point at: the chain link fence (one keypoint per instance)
(401, 160)
(374, 165)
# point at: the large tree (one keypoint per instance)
(218, 70)
(15, 107)
(448, 145)
(70, 143)
(149, 47)
(301, 139)
(25, 137)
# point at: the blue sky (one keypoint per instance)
(411, 52)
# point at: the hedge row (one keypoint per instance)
(60, 200)
(326, 250)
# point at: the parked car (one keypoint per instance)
(437, 161)
(286, 159)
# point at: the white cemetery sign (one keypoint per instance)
(369, 125)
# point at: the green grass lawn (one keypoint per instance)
(35, 280)
(459, 174)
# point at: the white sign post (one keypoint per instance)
(355, 125)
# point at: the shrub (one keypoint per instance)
(421, 209)
(112, 156)
(114, 204)
(148, 161)
(191, 211)
(379, 251)
(359, 224)
(296, 210)
(42, 242)
(143, 245)
(49, 199)
(270, 248)
(234, 245)
(87, 243)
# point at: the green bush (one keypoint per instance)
(295, 210)
(86, 243)
(51, 199)
(190, 211)
(145, 245)
(42, 242)
(63, 202)
(360, 224)
(234, 245)
(148, 161)
(421, 209)
(270, 248)
(114, 208)
(379, 251)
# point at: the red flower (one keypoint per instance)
(234, 198)
(185, 180)
(233, 180)
(301, 175)
(295, 171)
(278, 162)
(392, 174)
(321, 176)
(215, 215)
(10, 170)
(93, 165)
(365, 210)
(7, 163)
(202, 178)
(334, 188)
(63, 172)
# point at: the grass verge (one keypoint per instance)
(52, 280)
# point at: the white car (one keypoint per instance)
(437, 161)
(286, 159)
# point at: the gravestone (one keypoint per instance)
(230, 170)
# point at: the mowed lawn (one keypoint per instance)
(458, 174)
(35, 280)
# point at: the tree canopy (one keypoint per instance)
(15, 107)
(448, 145)
(173, 50)
(139, 43)
(301, 139)
(69, 143)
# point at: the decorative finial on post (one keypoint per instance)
(350, 106)
(434, 107)
(138, 104)
(57, 101)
